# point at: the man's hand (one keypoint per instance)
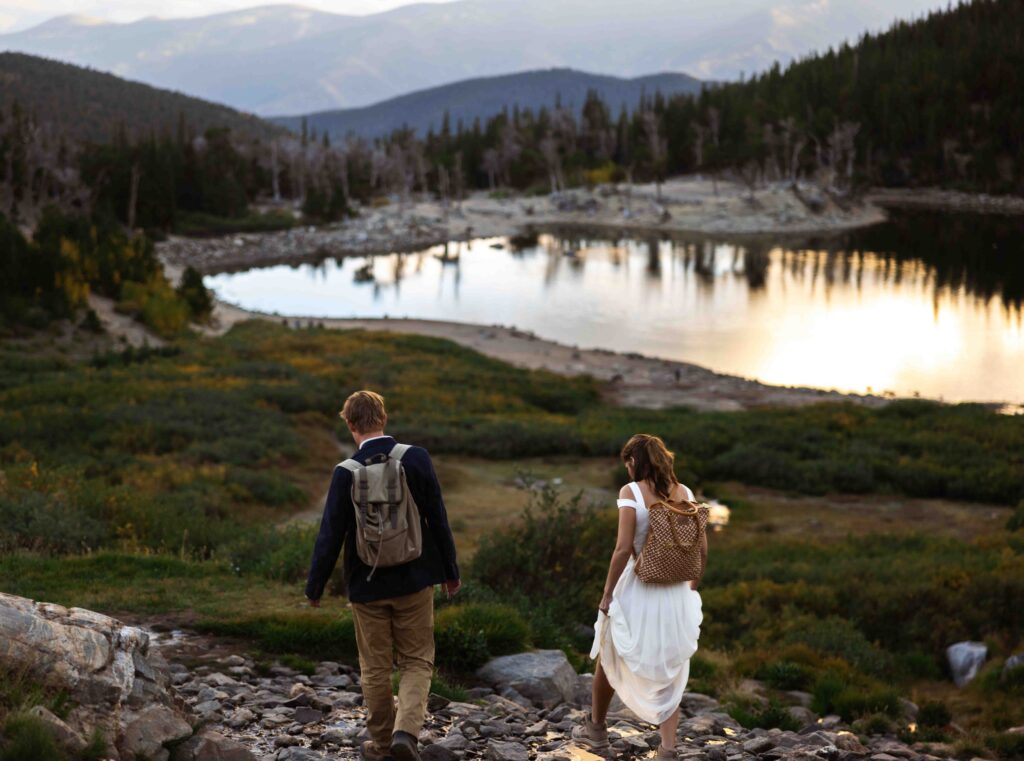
(451, 588)
(314, 603)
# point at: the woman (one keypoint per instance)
(645, 633)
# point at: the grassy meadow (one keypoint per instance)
(182, 486)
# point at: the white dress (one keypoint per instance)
(646, 640)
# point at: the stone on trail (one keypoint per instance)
(965, 658)
(545, 677)
(507, 751)
(209, 745)
(150, 731)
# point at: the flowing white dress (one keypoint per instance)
(646, 640)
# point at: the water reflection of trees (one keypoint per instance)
(980, 256)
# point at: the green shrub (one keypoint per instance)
(770, 716)
(875, 724)
(313, 634)
(276, 554)
(1016, 520)
(29, 738)
(1008, 746)
(156, 305)
(503, 629)
(934, 713)
(460, 650)
(195, 294)
(786, 675)
(839, 637)
(451, 690)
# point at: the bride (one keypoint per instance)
(645, 633)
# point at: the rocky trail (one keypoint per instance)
(180, 696)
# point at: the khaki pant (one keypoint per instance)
(400, 629)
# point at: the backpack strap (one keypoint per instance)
(398, 451)
(350, 465)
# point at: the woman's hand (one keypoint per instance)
(605, 603)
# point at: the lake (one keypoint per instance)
(925, 304)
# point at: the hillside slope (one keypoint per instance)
(89, 105)
(486, 96)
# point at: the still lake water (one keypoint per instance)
(927, 304)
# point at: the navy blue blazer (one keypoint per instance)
(436, 565)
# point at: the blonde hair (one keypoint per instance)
(364, 412)
(652, 462)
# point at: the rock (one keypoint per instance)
(1013, 662)
(150, 730)
(757, 745)
(299, 754)
(848, 741)
(507, 751)
(454, 742)
(909, 709)
(211, 746)
(805, 717)
(305, 715)
(62, 733)
(800, 698)
(437, 752)
(584, 689)
(545, 676)
(965, 658)
(694, 704)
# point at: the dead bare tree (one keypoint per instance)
(553, 161)
(657, 146)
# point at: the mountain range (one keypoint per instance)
(486, 96)
(287, 59)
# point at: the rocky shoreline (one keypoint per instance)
(936, 199)
(685, 206)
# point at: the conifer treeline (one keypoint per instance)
(935, 101)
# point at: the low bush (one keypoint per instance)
(503, 629)
(1009, 746)
(770, 716)
(934, 714)
(460, 650)
(29, 738)
(308, 633)
(786, 675)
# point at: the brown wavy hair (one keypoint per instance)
(652, 462)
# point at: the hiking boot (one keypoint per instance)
(404, 747)
(665, 754)
(591, 735)
(368, 751)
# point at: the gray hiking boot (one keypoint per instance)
(591, 735)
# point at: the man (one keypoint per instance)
(393, 607)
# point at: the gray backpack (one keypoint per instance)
(387, 519)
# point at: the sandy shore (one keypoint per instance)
(685, 206)
(632, 380)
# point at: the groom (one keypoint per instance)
(393, 610)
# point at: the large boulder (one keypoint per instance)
(119, 686)
(965, 658)
(545, 677)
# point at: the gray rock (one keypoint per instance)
(150, 730)
(209, 745)
(1013, 662)
(305, 715)
(437, 752)
(507, 751)
(545, 676)
(299, 754)
(965, 658)
(805, 717)
(758, 745)
(454, 742)
(800, 698)
(693, 704)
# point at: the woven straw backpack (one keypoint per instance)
(672, 550)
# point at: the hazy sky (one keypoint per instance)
(19, 14)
